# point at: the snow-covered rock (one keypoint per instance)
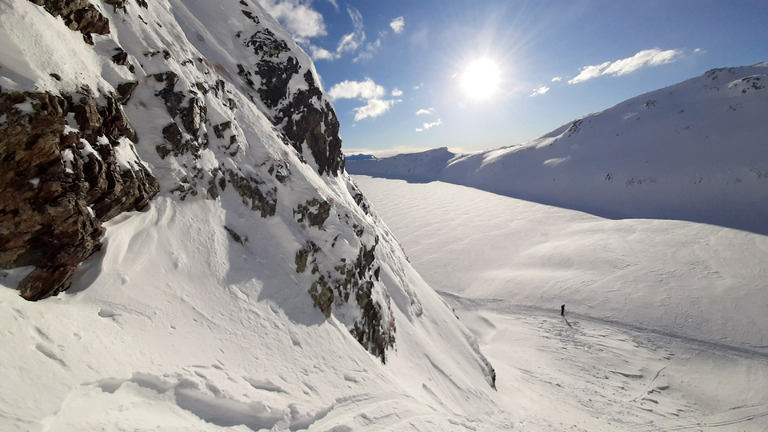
(693, 151)
(241, 296)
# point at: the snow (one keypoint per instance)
(174, 325)
(35, 44)
(25, 107)
(69, 158)
(664, 326)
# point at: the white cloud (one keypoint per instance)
(589, 72)
(396, 92)
(398, 25)
(651, 57)
(557, 79)
(428, 126)
(297, 17)
(539, 91)
(374, 108)
(321, 54)
(367, 89)
(352, 41)
(333, 2)
(425, 111)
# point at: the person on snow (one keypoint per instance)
(562, 310)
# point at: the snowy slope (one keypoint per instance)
(257, 291)
(693, 151)
(665, 323)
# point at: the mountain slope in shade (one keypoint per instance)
(693, 151)
(257, 290)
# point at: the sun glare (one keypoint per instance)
(480, 79)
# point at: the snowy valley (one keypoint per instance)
(174, 197)
(647, 220)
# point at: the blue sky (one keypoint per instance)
(397, 70)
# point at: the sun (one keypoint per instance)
(480, 79)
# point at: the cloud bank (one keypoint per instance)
(651, 57)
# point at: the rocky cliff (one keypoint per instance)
(215, 111)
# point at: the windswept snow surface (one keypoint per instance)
(174, 327)
(665, 324)
(695, 151)
(193, 317)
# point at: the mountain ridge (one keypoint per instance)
(691, 151)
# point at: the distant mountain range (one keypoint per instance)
(696, 150)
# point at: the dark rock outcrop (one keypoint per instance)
(78, 15)
(59, 182)
(304, 116)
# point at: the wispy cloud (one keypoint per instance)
(557, 79)
(651, 57)
(369, 92)
(369, 50)
(333, 2)
(297, 17)
(353, 41)
(539, 91)
(398, 25)
(428, 126)
(396, 92)
(425, 111)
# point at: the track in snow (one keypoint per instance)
(588, 373)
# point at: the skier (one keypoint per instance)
(562, 310)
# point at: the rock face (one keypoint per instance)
(253, 134)
(302, 113)
(58, 182)
(67, 164)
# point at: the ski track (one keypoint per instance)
(623, 376)
(506, 307)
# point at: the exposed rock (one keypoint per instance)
(121, 57)
(375, 329)
(58, 185)
(125, 90)
(305, 116)
(78, 15)
(317, 127)
(250, 189)
(314, 212)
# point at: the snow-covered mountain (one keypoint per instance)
(254, 288)
(697, 151)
